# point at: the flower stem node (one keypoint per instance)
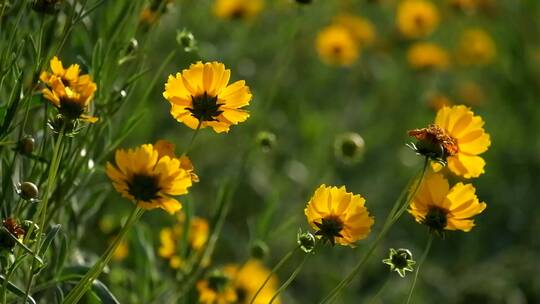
(306, 241)
(259, 250)
(400, 260)
(266, 140)
(28, 191)
(25, 146)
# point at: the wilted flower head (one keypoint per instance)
(149, 180)
(400, 260)
(237, 9)
(336, 46)
(425, 55)
(476, 47)
(10, 231)
(417, 18)
(338, 216)
(201, 96)
(440, 207)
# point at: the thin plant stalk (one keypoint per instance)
(192, 140)
(290, 279)
(284, 259)
(422, 259)
(86, 282)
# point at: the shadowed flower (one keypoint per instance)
(425, 55)
(142, 176)
(237, 9)
(417, 18)
(476, 47)
(68, 91)
(201, 96)
(440, 207)
(460, 135)
(336, 46)
(361, 29)
(338, 216)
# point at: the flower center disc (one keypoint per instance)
(144, 187)
(330, 228)
(205, 107)
(436, 219)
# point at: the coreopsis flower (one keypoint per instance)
(70, 92)
(169, 238)
(237, 9)
(166, 148)
(338, 216)
(457, 137)
(336, 46)
(417, 18)
(362, 30)
(147, 179)
(400, 261)
(425, 55)
(476, 47)
(440, 207)
(201, 96)
(217, 288)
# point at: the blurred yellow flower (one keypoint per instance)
(169, 238)
(425, 55)
(142, 176)
(247, 279)
(336, 46)
(438, 101)
(361, 29)
(417, 18)
(460, 123)
(476, 47)
(166, 148)
(441, 208)
(121, 251)
(216, 290)
(237, 9)
(338, 216)
(68, 91)
(471, 93)
(201, 96)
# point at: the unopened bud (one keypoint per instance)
(28, 191)
(400, 260)
(186, 40)
(349, 147)
(306, 241)
(259, 250)
(266, 140)
(26, 145)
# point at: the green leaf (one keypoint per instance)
(103, 293)
(16, 290)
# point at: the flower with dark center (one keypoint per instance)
(329, 229)
(144, 187)
(436, 219)
(400, 260)
(205, 107)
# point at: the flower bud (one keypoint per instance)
(266, 140)
(349, 147)
(186, 40)
(259, 250)
(26, 145)
(306, 241)
(400, 260)
(28, 191)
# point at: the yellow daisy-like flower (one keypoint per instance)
(338, 216)
(457, 137)
(150, 181)
(237, 9)
(476, 47)
(216, 291)
(336, 46)
(440, 207)
(169, 238)
(202, 96)
(68, 91)
(417, 18)
(166, 148)
(424, 55)
(360, 28)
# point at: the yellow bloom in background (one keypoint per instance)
(460, 123)
(216, 290)
(438, 101)
(362, 30)
(425, 55)
(202, 95)
(170, 237)
(476, 47)
(471, 93)
(166, 148)
(121, 251)
(338, 216)
(237, 9)
(336, 46)
(70, 92)
(247, 279)
(150, 181)
(440, 207)
(417, 18)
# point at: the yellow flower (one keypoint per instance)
(338, 216)
(424, 55)
(216, 289)
(476, 47)
(202, 95)
(166, 148)
(142, 176)
(237, 9)
(169, 238)
(417, 18)
(247, 279)
(121, 251)
(442, 208)
(360, 28)
(336, 46)
(68, 91)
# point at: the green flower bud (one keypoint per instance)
(186, 40)
(266, 140)
(26, 145)
(28, 191)
(306, 241)
(349, 147)
(400, 260)
(259, 250)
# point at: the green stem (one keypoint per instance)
(84, 284)
(389, 222)
(422, 259)
(290, 279)
(192, 140)
(284, 259)
(381, 289)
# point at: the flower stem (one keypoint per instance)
(422, 259)
(290, 279)
(192, 140)
(84, 284)
(284, 259)
(391, 219)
